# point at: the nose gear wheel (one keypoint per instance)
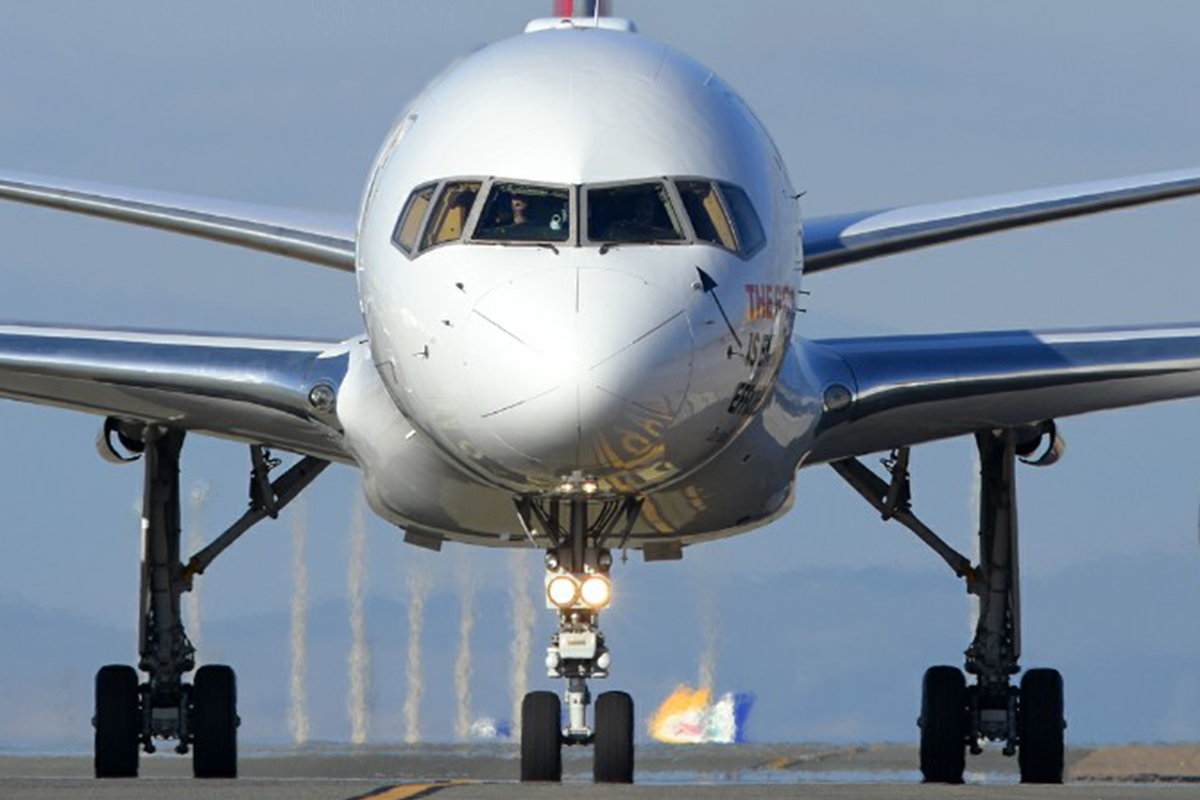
(541, 737)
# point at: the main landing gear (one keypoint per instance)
(131, 714)
(955, 716)
(578, 562)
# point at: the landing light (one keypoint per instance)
(596, 591)
(563, 591)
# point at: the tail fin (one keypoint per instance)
(582, 8)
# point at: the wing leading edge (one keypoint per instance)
(913, 389)
(836, 241)
(318, 238)
(250, 390)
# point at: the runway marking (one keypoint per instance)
(408, 791)
(808, 758)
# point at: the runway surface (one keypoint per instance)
(457, 772)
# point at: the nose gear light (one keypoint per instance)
(563, 591)
(596, 592)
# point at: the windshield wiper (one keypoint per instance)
(547, 244)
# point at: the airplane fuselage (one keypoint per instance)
(528, 361)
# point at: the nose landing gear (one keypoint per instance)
(578, 588)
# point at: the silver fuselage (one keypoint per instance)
(507, 369)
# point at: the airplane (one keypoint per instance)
(641, 331)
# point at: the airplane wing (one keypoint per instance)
(911, 389)
(318, 238)
(835, 241)
(250, 390)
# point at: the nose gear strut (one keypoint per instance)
(578, 561)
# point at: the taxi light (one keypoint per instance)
(596, 591)
(563, 591)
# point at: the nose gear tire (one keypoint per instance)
(541, 737)
(613, 757)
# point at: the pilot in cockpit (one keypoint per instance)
(519, 206)
(523, 213)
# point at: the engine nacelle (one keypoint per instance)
(120, 441)
(1042, 436)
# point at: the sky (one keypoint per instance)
(828, 615)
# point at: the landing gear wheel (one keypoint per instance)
(541, 737)
(613, 759)
(1041, 727)
(943, 725)
(117, 722)
(214, 722)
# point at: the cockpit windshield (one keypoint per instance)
(516, 212)
(649, 211)
(638, 213)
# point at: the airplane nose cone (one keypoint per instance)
(575, 369)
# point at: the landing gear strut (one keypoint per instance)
(955, 716)
(578, 562)
(202, 716)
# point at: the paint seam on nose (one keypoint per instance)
(655, 411)
(645, 335)
(578, 426)
(488, 319)
(511, 406)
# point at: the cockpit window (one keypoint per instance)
(749, 230)
(450, 213)
(516, 212)
(709, 220)
(409, 224)
(685, 210)
(637, 213)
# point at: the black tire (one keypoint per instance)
(214, 722)
(613, 757)
(117, 722)
(1040, 727)
(943, 725)
(541, 737)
